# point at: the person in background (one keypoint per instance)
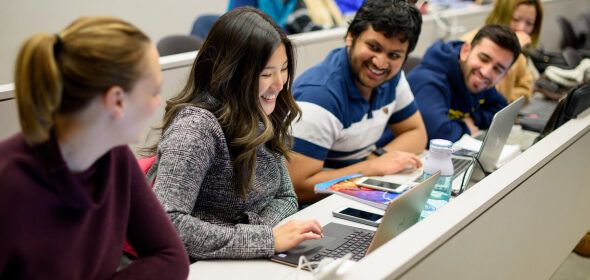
(353, 96)
(324, 13)
(71, 189)
(220, 170)
(348, 7)
(525, 18)
(454, 83)
(291, 15)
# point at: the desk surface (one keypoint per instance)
(265, 269)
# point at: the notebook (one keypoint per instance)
(339, 239)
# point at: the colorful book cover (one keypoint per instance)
(345, 186)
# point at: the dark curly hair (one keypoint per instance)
(393, 18)
(501, 35)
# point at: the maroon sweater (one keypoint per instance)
(55, 224)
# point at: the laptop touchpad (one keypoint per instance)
(314, 245)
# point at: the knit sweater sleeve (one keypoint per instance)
(187, 151)
(284, 203)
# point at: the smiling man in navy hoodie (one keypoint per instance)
(454, 84)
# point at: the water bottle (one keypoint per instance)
(438, 159)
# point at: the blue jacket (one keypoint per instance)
(443, 98)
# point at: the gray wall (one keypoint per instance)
(20, 19)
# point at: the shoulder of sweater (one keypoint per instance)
(196, 118)
(15, 152)
(122, 153)
(196, 125)
(520, 64)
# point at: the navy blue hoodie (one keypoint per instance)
(443, 98)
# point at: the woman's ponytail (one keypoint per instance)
(38, 86)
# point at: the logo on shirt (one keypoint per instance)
(456, 114)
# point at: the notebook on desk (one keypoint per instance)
(339, 239)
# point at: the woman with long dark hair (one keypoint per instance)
(221, 172)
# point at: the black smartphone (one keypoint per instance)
(357, 215)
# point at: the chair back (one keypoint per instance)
(175, 44)
(203, 24)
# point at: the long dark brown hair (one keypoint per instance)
(224, 80)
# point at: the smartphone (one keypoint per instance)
(377, 184)
(359, 216)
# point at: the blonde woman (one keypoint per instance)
(71, 189)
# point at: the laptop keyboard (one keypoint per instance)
(356, 243)
(460, 165)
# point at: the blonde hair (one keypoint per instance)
(61, 73)
(504, 10)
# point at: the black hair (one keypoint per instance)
(501, 35)
(392, 18)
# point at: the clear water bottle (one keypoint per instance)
(438, 159)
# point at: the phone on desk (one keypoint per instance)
(357, 215)
(381, 185)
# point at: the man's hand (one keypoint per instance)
(471, 125)
(392, 162)
(523, 38)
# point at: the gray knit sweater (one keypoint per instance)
(193, 184)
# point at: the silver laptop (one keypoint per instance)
(493, 142)
(401, 213)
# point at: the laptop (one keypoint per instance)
(401, 213)
(492, 144)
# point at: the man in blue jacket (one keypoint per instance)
(454, 84)
(349, 99)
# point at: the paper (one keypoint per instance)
(469, 143)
